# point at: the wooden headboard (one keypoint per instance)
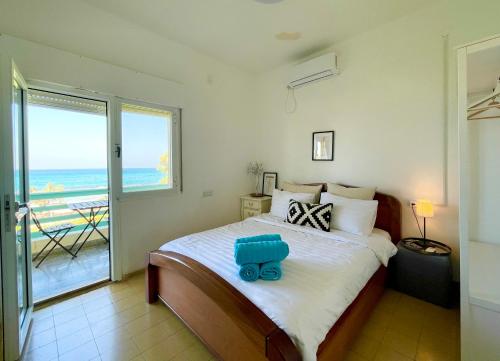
(388, 213)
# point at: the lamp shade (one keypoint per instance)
(424, 208)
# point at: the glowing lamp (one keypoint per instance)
(424, 208)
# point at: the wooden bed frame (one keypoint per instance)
(232, 327)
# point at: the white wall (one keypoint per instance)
(387, 108)
(217, 134)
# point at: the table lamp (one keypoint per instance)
(425, 209)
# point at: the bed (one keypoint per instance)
(299, 317)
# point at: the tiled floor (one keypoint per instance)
(115, 323)
(59, 273)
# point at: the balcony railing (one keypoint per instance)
(51, 209)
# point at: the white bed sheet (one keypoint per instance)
(323, 274)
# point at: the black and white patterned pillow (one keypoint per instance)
(310, 214)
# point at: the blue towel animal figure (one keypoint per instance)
(260, 238)
(250, 272)
(260, 256)
(260, 252)
(270, 271)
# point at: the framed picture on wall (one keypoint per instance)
(269, 183)
(323, 145)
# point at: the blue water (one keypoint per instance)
(72, 179)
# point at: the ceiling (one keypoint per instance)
(242, 32)
(237, 32)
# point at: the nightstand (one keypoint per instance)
(422, 269)
(253, 206)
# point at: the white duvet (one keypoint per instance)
(323, 274)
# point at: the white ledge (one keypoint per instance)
(489, 302)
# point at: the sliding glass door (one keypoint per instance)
(16, 251)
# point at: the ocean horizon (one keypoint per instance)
(74, 179)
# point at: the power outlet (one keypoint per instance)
(208, 194)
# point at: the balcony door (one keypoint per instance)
(69, 190)
(17, 301)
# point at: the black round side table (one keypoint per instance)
(426, 246)
(422, 269)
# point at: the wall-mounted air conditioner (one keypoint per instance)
(310, 71)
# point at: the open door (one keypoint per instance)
(17, 301)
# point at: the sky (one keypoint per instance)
(65, 139)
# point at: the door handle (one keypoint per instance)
(21, 210)
(118, 150)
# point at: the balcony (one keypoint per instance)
(59, 272)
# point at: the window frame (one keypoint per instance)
(176, 146)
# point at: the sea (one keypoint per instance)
(74, 179)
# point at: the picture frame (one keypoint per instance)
(323, 145)
(269, 183)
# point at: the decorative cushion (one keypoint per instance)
(351, 215)
(310, 214)
(354, 193)
(303, 188)
(281, 199)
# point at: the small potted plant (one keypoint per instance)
(256, 169)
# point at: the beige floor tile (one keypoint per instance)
(42, 325)
(157, 333)
(66, 305)
(351, 356)
(193, 353)
(386, 353)
(433, 348)
(365, 346)
(85, 352)
(42, 313)
(406, 322)
(74, 340)
(42, 338)
(389, 301)
(106, 325)
(45, 353)
(414, 304)
(377, 325)
(116, 348)
(170, 347)
(128, 302)
(138, 358)
(71, 327)
(401, 343)
(69, 315)
(96, 303)
(100, 313)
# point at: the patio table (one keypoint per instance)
(95, 208)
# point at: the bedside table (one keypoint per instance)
(422, 269)
(253, 206)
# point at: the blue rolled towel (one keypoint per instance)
(249, 272)
(260, 252)
(260, 238)
(270, 271)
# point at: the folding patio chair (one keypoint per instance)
(55, 235)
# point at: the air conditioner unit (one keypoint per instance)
(310, 71)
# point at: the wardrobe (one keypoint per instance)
(479, 205)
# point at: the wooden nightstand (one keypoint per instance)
(253, 206)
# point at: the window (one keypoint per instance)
(150, 148)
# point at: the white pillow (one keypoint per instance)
(354, 193)
(281, 199)
(351, 215)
